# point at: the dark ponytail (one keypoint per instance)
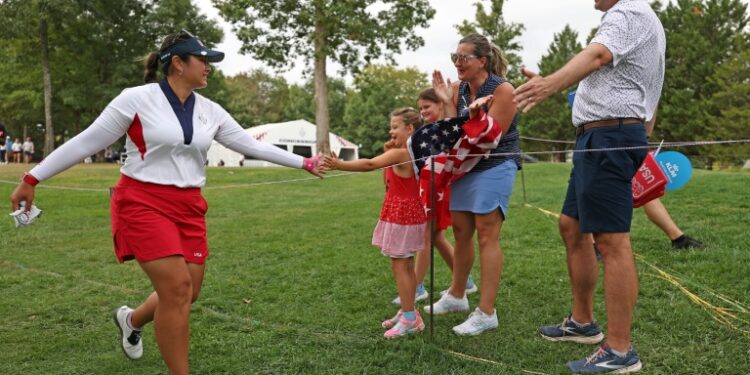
(152, 60)
(152, 66)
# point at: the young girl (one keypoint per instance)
(400, 231)
(431, 109)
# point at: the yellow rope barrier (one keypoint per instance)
(728, 316)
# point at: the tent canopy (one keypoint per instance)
(296, 136)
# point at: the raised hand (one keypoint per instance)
(443, 90)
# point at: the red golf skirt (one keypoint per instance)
(151, 221)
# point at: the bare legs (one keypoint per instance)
(490, 255)
(406, 281)
(463, 256)
(582, 268)
(176, 284)
(620, 278)
(423, 257)
(658, 214)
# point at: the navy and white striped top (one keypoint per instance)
(509, 141)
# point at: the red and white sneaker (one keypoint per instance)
(405, 327)
(389, 323)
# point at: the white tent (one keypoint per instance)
(295, 136)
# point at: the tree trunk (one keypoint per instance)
(321, 84)
(49, 132)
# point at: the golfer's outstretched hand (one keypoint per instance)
(312, 165)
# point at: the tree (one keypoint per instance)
(378, 90)
(49, 139)
(31, 40)
(503, 34)
(701, 38)
(257, 97)
(93, 52)
(345, 31)
(551, 119)
(21, 100)
(301, 103)
(732, 103)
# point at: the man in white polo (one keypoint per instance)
(621, 75)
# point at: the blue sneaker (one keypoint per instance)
(603, 361)
(569, 331)
(470, 286)
(420, 295)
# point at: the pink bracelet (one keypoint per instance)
(311, 163)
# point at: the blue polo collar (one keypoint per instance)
(184, 112)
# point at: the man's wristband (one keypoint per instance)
(29, 179)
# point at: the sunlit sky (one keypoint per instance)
(541, 18)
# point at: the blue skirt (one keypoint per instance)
(485, 191)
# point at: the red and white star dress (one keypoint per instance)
(400, 230)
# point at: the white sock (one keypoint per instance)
(129, 322)
(578, 324)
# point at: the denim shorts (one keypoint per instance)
(485, 191)
(600, 193)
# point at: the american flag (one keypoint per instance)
(457, 144)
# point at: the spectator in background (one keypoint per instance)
(108, 154)
(8, 150)
(2, 151)
(17, 150)
(28, 150)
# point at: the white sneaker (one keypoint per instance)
(449, 304)
(477, 323)
(130, 339)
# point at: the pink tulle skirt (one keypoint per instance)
(398, 240)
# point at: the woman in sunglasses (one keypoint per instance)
(158, 212)
(479, 200)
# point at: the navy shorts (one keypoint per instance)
(600, 194)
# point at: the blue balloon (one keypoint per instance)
(677, 167)
(571, 98)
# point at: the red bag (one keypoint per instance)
(649, 182)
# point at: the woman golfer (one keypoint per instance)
(158, 212)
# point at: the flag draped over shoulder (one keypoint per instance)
(457, 144)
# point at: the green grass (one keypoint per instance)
(294, 286)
